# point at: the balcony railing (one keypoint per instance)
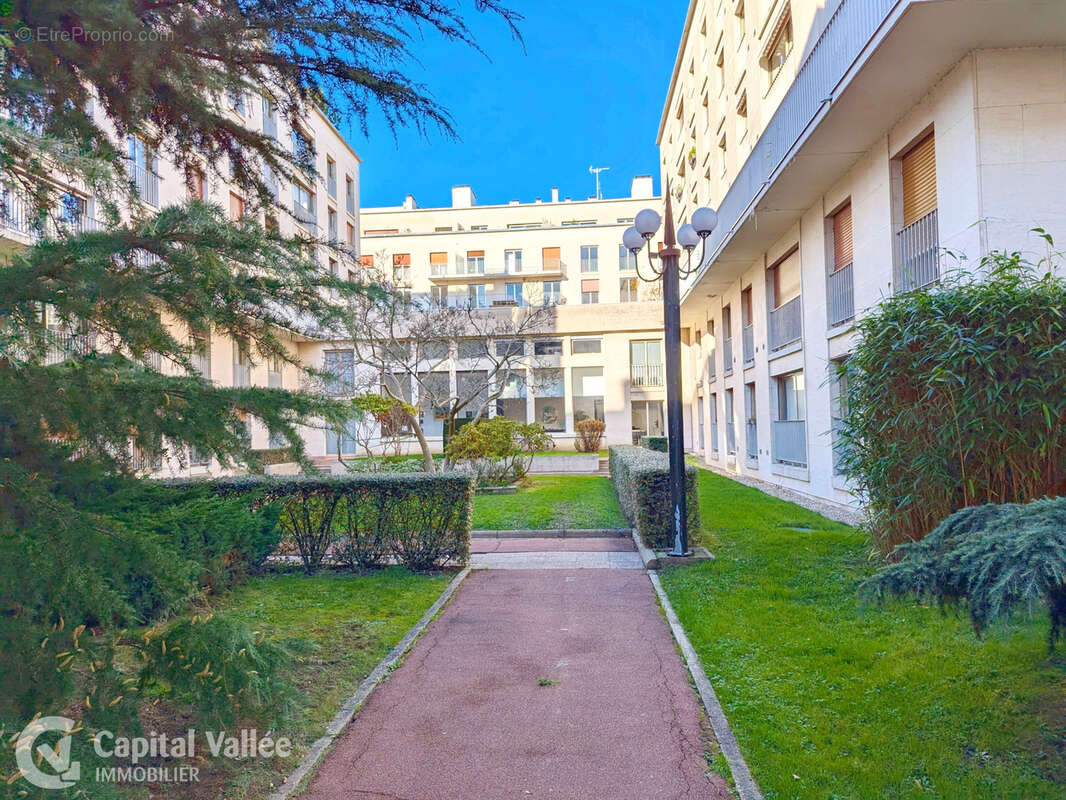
(789, 440)
(841, 42)
(145, 182)
(786, 324)
(61, 345)
(17, 214)
(727, 356)
(841, 296)
(751, 439)
(304, 215)
(646, 375)
(748, 338)
(917, 249)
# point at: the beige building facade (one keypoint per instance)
(323, 207)
(600, 355)
(882, 143)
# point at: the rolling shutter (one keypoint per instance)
(919, 181)
(842, 248)
(590, 284)
(401, 259)
(438, 258)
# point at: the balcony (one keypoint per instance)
(646, 375)
(145, 182)
(789, 442)
(786, 324)
(461, 270)
(61, 345)
(841, 295)
(727, 356)
(917, 253)
(748, 339)
(18, 216)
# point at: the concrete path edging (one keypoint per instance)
(370, 682)
(742, 778)
(549, 533)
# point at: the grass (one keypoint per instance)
(833, 699)
(549, 502)
(352, 621)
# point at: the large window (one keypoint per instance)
(647, 419)
(590, 291)
(627, 290)
(646, 363)
(475, 262)
(790, 427)
(588, 393)
(548, 347)
(475, 295)
(627, 261)
(340, 364)
(303, 203)
(590, 259)
(549, 398)
(143, 170)
(512, 261)
(751, 433)
(512, 401)
(514, 294)
(778, 49)
(586, 345)
(553, 293)
(242, 363)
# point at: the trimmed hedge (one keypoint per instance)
(641, 479)
(362, 519)
(659, 444)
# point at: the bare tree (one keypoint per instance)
(452, 360)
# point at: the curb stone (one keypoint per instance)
(341, 719)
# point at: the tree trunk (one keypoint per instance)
(427, 457)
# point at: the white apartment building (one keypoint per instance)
(852, 148)
(324, 206)
(602, 355)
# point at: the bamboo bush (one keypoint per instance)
(956, 396)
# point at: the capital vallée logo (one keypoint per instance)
(64, 772)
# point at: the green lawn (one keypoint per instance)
(552, 501)
(833, 699)
(353, 621)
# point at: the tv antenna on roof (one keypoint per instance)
(596, 171)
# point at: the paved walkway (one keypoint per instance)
(533, 683)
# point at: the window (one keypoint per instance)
(143, 170)
(789, 432)
(366, 261)
(588, 393)
(475, 294)
(727, 340)
(751, 432)
(512, 261)
(475, 262)
(627, 261)
(742, 116)
(472, 348)
(200, 344)
(242, 363)
(919, 181)
(340, 365)
(590, 260)
(275, 366)
(401, 267)
(194, 185)
(841, 287)
(479, 227)
(838, 410)
(439, 296)
(646, 419)
(842, 246)
(552, 291)
(778, 49)
(270, 118)
(549, 398)
(548, 347)
(303, 203)
(349, 234)
(514, 294)
(236, 101)
(730, 424)
(438, 264)
(590, 291)
(646, 363)
(198, 457)
(349, 194)
(303, 148)
(331, 177)
(72, 209)
(509, 348)
(627, 290)
(550, 260)
(713, 414)
(583, 346)
(512, 400)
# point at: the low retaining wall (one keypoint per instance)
(583, 462)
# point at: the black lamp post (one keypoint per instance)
(645, 225)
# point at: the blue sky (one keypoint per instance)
(587, 90)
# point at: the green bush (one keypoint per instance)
(995, 558)
(423, 519)
(956, 396)
(641, 479)
(499, 450)
(659, 444)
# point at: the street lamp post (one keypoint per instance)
(645, 225)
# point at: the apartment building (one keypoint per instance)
(324, 206)
(601, 355)
(852, 148)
